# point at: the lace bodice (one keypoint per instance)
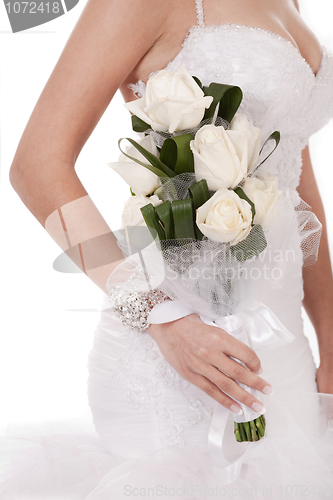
(280, 89)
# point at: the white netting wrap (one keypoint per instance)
(310, 231)
(212, 277)
(160, 137)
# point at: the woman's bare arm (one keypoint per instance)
(106, 44)
(318, 280)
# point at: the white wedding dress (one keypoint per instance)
(152, 425)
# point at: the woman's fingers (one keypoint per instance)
(214, 392)
(231, 388)
(237, 349)
(241, 374)
(201, 354)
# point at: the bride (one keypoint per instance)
(153, 394)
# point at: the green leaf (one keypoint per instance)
(243, 196)
(197, 81)
(275, 136)
(183, 219)
(253, 245)
(153, 222)
(230, 103)
(176, 153)
(156, 166)
(168, 193)
(164, 213)
(229, 97)
(160, 192)
(139, 125)
(199, 194)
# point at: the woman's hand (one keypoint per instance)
(324, 378)
(200, 352)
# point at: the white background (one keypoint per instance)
(45, 333)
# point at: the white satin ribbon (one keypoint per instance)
(259, 328)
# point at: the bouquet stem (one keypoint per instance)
(250, 431)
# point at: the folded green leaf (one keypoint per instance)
(160, 192)
(253, 245)
(199, 194)
(153, 222)
(229, 97)
(156, 166)
(176, 153)
(164, 213)
(139, 125)
(183, 218)
(230, 103)
(197, 81)
(243, 196)
(275, 136)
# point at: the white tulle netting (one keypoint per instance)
(217, 279)
(160, 137)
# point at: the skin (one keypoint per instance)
(99, 58)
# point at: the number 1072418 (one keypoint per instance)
(32, 7)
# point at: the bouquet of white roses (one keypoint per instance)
(196, 130)
(194, 182)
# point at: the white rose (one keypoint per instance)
(225, 217)
(220, 156)
(141, 180)
(173, 101)
(263, 192)
(132, 215)
(253, 135)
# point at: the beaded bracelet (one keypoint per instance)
(133, 308)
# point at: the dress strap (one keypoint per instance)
(200, 12)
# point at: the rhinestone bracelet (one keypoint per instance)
(133, 308)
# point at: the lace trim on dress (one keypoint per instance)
(279, 84)
(144, 394)
(196, 31)
(254, 29)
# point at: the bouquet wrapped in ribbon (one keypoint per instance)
(221, 228)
